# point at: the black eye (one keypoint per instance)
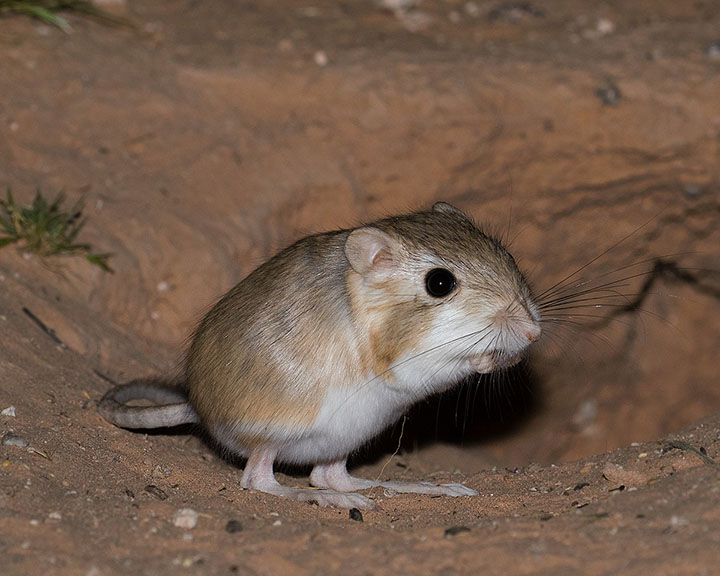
(439, 282)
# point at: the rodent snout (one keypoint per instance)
(532, 331)
(518, 323)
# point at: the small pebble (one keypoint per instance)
(609, 93)
(320, 58)
(692, 189)
(9, 411)
(233, 526)
(604, 26)
(11, 439)
(356, 515)
(185, 518)
(676, 521)
(713, 51)
(455, 530)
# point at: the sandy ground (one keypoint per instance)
(215, 133)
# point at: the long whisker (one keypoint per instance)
(587, 337)
(596, 258)
(617, 283)
(654, 259)
(607, 295)
(610, 288)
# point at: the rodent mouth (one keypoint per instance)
(502, 359)
(493, 360)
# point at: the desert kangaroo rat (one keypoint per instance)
(329, 342)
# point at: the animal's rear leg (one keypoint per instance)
(335, 476)
(259, 476)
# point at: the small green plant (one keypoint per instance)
(47, 11)
(46, 229)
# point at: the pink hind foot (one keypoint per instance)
(335, 476)
(259, 476)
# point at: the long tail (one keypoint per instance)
(170, 406)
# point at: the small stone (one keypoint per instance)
(604, 26)
(320, 58)
(233, 526)
(11, 439)
(356, 515)
(676, 521)
(609, 93)
(692, 189)
(9, 411)
(713, 51)
(55, 516)
(185, 518)
(455, 530)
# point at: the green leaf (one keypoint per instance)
(45, 229)
(100, 260)
(45, 15)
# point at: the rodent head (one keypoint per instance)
(439, 298)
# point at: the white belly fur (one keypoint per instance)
(348, 419)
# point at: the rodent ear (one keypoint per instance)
(446, 208)
(369, 249)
